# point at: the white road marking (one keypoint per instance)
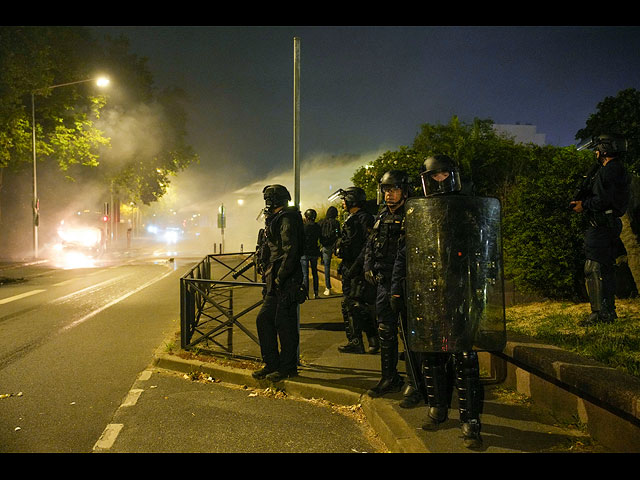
(111, 431)
(113, 302)
(90, 287)
(18, 297)
(108, 436)
(132, 397)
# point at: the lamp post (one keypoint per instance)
(100, 82)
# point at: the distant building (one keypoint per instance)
(521, 133)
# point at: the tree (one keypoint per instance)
(85, 135)
(31, 60)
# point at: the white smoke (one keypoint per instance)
(320, 176)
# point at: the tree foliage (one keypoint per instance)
(489, 160)
(618, 115)
(77, 128)
(32, 60)
(542, 238)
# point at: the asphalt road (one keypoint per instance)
(76, 345)
(178, 414)
(70, 352)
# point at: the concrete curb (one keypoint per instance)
(606, 400)
(393, 430)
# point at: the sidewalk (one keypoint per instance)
(509, 423)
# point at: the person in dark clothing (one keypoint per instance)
(356, 311)
(380, 255)
(330, 227)
(311, 250)
(606, 201)
(442, 371)
(278, 317)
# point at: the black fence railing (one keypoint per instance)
(207, 311)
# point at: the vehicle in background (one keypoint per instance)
(81, 240)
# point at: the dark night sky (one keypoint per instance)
(365, 90)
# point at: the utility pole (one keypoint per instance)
(296, 121)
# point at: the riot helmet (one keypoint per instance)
(310, 214)
(354, 197)
(275, 196)
(393, 179)
(440, 175)
(610, 146)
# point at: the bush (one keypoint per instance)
(542, 237)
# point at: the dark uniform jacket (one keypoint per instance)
(355, 231)
(608, 200)
(383, 245)
(281, 252)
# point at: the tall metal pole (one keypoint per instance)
(296, 120)
(34, 205)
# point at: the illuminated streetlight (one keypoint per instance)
(100, 82)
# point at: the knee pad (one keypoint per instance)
(594, 283)
(387, 332)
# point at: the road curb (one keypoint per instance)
(393, 430)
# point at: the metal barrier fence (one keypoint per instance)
(207, 304)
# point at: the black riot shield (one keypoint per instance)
(454, 280)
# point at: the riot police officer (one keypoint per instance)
(280, 256)
(453, 270)
(606, 200)
(380, 254)
(356, 304)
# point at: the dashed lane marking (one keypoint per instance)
(110, 433)
(132, 397)
(18, 297)
(108, 437)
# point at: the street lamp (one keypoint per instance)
(100, 82)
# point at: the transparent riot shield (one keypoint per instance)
(454, 279)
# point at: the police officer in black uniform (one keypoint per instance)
(280, 256)
(444, 371)
(356, 310)
(606, 201)
(380, 255)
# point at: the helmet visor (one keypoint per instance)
(438, 182)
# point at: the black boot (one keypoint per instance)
(411, 397)
(435, 416)
(391, 381)
(355, 345)
(471, 434)
(386, 385)
(437, 386)
(470, 397)
(352, 327)
(414, 392)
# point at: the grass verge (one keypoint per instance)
(556, 323)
